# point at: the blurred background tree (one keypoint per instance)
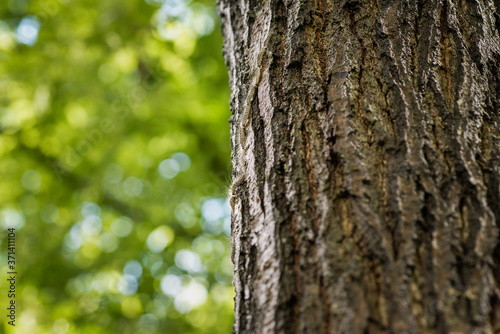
(114, 160)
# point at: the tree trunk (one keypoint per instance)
(366, 154)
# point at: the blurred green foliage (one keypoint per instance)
(114, 164)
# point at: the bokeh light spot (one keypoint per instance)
(183, 160)
(171, 285)
(108, 242)
(76, 115)
(122, 226)
(127, 285)
(27, 30)
(91, 225)
(11, 218)
(159, 239)
(131, 306)
(188, 260)
(213, 209)
(31, 180)
(132, 186)
(133, 268)
(195, 294)
(216, 215)
(169, 168)
(90, 209)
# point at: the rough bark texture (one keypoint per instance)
(366, 147)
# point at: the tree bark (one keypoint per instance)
(366, 154)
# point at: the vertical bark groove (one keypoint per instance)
(371, 194)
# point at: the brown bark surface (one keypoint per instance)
(366, 149)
